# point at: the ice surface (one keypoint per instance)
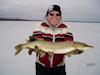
(15, 32)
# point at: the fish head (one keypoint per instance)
(82, 46)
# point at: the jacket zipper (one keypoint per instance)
(51, 61)
(53, 29)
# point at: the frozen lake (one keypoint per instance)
(15, 32)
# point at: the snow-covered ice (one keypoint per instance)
(15, 32)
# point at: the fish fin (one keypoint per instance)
(18, 49)
(37, 50)
(30, 51)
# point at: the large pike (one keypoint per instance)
(57, 47)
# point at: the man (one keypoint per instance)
(51, 30)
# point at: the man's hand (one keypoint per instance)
(75, 52)
(31, 38)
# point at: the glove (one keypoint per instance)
(31, 38)
(75, 52)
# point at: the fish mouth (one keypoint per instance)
(91, 47)
(88, 47)
(85, 47)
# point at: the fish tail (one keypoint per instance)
(18, 49)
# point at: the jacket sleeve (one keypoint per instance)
(68, 36)
(37, 33)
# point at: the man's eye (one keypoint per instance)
(51, 14)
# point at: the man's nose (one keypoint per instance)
(54, 16)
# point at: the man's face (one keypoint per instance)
(54, 18)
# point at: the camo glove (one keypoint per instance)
(75, 52)
(31, 38)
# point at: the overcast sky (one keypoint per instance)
(85, 10)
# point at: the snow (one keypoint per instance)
(15, 32)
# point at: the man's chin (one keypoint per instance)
(54, 24)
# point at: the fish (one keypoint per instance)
(55, 47)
